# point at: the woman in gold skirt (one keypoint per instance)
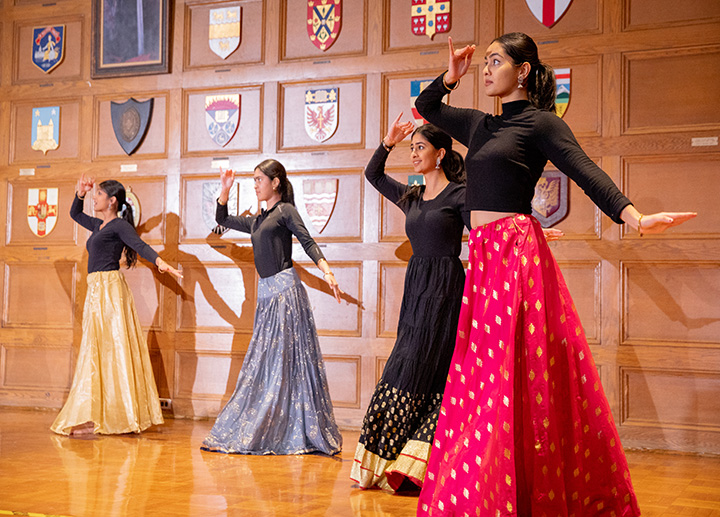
(113, 390)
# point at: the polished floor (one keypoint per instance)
(162, 472)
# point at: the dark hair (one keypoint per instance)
(116, 189)
(452, 163)
(274, 169)
(540, 82)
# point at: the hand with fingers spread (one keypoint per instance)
(84, 185)
(661, 221)
(458, 62)
(397, 132)
(227, 178)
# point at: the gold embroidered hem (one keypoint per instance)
(113, 385)
(411, 464)
(368, 469)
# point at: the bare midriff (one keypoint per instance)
(481, 217)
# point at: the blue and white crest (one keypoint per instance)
(48, 47)
(321, 113)
(46, 128)
(222, 115)
(415, 88)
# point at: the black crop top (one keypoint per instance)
(105, 246)
(507, 154)
(434, 227)
(271, 234)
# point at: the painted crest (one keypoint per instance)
(548, 12)
(46, 128)
(416, 180)
(430, 17)
(224, 30)
(210, 193)
(130, 120)
(415, 88)
(562, 92)
(320, 196)
(324, 22)
(321, 113)
(222, 115)
(42, 210)
(48, 47)
(550, 204)
(134, 203)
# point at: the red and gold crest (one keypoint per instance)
(324, 22)
(42, 210)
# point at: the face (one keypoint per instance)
(500, 73)
(423, 155)
(102, 202)
(264, 185)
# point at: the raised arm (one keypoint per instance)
(83, 186)
(375, 170)
(240, 223)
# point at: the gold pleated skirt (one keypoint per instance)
(113, 387)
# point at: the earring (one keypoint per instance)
(437, 163)
(520, 82)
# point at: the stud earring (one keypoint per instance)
(437, 163)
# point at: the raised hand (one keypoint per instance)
(84, 185)
(398, 131)
(227, 178)
(458, 62)
(661, 221)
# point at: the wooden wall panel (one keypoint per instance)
(206, 375)
(196, 138)
(584, 280)
(642, 14)
(154, 145)
(584, 113)
(36, 368)
(198, 54)
(671, 302)
(39, 295)
(390, 291)
(343, 375)
(26, 71)
(645, 95)
(295, 43)
(147, 294)
(68, 148)
(18, 228)
(583, 18)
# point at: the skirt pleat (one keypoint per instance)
(525, 427)
(281, 403)
(113, 385)
(398, 428)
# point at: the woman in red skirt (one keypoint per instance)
(524, 427)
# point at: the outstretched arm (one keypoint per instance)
(654, 223)
(330, 278)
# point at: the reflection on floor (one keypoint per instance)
(163, 472)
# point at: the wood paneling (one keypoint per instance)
(584, 280)
(36, 368)
(581, 18)
(18, 228)
(666, 12)
(22, 151)
(343, 374)
(39, 295)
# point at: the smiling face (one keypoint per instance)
(500, 73)
(264, 186)
(423, 155)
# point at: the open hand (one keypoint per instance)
(458, 61)
(398, 131)
(84, 185)
(661, 221)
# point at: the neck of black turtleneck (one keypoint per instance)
(514, 107)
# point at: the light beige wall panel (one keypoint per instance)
(349, 113)
(580, 18)
(644, 14)
(36, 368)
(390, 291)
(197, 209)
(671, 398)
(21, 151)
(673, 302)
(216, 297)
(147, 293)
(247, 138)
(584, 219)
(653, 105)
(343, 375)
(154, 145)
(380, 363)
(39, 295)
(676, 182)
(206, 375)
(163, 365)
(197, 52)
(584, 111)
(331, 318)
(584, 280)
(18, 228)
(69, 69)
(151, 192)
(399, 36)
(295, 42)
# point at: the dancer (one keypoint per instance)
(113, 389)
(400, 422)
(281, 404)
(524, 428)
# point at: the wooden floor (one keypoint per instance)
(163, 472)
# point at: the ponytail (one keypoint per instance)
(541, 81)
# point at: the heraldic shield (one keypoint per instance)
(46, 129)
(562, 90)
(550, 204)
(222, 115)
(430, 17)
(324, 22)
(130, 120)
(224, 30)
(548, 12)
(42, 210)
(48, 47)
(321, 113)
(320, 196)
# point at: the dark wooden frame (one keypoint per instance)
(161, 65)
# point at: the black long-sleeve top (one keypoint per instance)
(105, 246)
(435, 226)
(507, 154)
(271, 234)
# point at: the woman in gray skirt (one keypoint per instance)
(281, 404)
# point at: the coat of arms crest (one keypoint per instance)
(324, 22)
(42, 210)
(46, 128)
(224, 30)
(48, 47)
(222, 115)
(130, 120)
(430, 17)
(321, 113)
